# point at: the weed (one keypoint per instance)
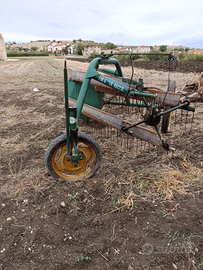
(37, 208)
(84, 218)
(82, 258)
(26, 139)
(72, 198)
(201, 264)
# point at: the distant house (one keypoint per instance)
(195, 51)
(141, 49)
(58, 47)
(24, 49)
(88, 49)
(125, 49)
(50, 46)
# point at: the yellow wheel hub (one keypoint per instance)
(66, 170)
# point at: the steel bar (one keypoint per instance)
(67, 109)
(171, 99)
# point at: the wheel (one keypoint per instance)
(63, 170)
(166, 118)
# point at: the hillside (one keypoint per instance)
(41, 45)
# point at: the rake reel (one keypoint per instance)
(124, 106)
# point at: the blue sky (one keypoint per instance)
(130, 22)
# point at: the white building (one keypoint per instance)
(141, 49)
(88, 49)
(58, 47)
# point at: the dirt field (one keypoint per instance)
(140, 211)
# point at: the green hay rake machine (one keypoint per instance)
(77, 156)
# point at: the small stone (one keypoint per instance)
(3, 205)
(70, 237)
(25, 201)
(196, 249)
(9, 219)
(174, 266)
(2, 250)
(63, 204)
(130, 267)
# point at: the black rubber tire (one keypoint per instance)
(166, 118)
(61, 140)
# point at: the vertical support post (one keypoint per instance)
(74, 136)
(67, 110)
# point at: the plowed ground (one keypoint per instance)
(142, 210)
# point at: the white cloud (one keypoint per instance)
(141, 22)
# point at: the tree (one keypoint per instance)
(80, 48)
(34, 49)
(67, 49)
(155, 56)
(110, 46)
(187, 49)
(92, 55)
(163, 48)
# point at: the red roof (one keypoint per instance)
(61, 44)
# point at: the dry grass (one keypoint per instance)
(155, 182)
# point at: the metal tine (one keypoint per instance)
(137, 145)
(175, 117)
(186, 119)
(128, 142)
(193, 114)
